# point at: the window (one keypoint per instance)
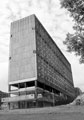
(34, 51)
(9, 58)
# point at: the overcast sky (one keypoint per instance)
(56, 21)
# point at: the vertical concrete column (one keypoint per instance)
(25, 84)
(19, 88)
(43, 95)
(36, 93)
(9, 106)
(18, 104)
(53, 98)
(19, 95)
(9, 88)
(25, 88)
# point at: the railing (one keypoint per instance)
(23, 89)
(18, 98)
(41, 95)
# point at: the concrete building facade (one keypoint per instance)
(39, 74)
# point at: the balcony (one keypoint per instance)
(22, 90)
(18, 98)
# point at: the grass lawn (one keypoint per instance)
(48, 113)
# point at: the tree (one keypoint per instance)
(75, 41)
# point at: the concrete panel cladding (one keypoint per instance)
(22, 58)
(34, 56)
(53, 69)
(39, 73)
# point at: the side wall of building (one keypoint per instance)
(22, 60)
(52, 67)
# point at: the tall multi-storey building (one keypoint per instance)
(39, 74)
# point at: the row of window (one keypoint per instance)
(44, 51)
(40, 30)
(46, 72)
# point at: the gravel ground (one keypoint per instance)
(49, 113)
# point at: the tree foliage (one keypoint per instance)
(75, 42)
